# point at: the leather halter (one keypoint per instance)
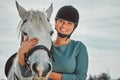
(30, 52)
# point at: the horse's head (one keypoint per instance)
(36, 23)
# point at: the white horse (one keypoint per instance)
(34, 23)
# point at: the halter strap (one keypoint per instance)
(30, 52)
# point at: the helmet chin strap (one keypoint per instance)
(64, 35)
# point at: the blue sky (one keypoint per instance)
(99, 29)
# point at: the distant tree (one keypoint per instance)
(118, 79)
(95, 78)
(103, 76)
(91, 78)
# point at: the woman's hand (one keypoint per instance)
(25, 47)
(55, 76)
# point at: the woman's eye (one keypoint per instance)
(69, 23)
(60, 20)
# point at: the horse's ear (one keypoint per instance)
(21, 10)
(49, 11)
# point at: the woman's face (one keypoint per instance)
(64, 26)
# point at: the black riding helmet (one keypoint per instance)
(68, 13)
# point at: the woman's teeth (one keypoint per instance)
(64, 30)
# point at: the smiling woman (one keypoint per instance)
(70, 56)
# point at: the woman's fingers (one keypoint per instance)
(28, 44)
(34, 41)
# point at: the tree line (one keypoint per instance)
(102, 76)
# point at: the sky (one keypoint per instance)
(98, 29)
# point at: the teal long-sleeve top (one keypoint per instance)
(71, 60)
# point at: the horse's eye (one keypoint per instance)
(51, 33)
(24, 21)
(24, 33)
(48, 20)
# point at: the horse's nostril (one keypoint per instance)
(37, 69)
(34, 67)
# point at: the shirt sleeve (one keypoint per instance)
(24, 71)
(81, 66)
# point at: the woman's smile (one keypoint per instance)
(63, 30)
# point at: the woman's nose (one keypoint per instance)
(64, 23)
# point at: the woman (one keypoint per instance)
(70, 56)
